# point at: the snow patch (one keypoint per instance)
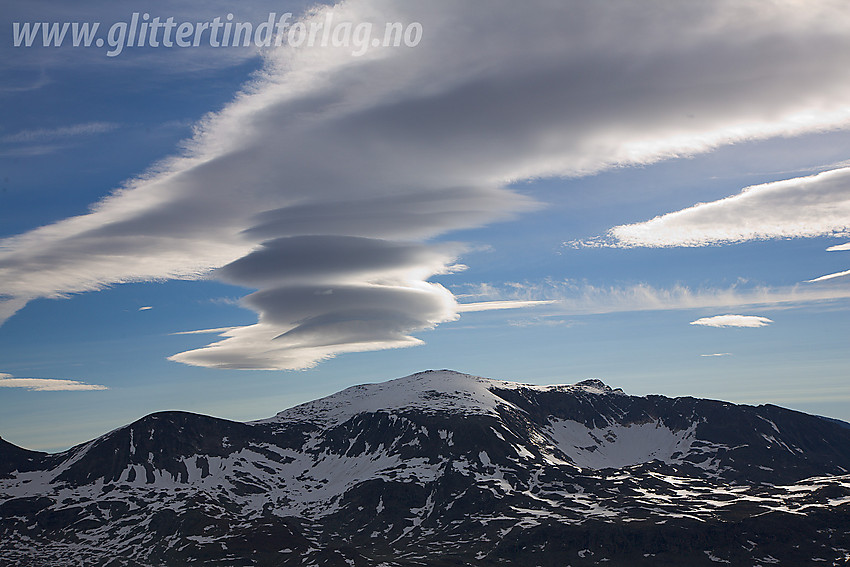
(618, 445)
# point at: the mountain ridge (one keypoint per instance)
(482, 471)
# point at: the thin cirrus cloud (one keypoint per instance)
(45, 384)
(501, 305)
(570, 297)
(723, 321)
(378, 154)
(803, 207)
(43, 141)
(64, 132)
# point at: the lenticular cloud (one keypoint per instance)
(751, 321)
(321, 186)
(817, 205)
(46, 384)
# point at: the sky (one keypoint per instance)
(654, 194)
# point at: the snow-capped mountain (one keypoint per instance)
(442, 468)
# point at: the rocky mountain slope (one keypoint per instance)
(442, 468)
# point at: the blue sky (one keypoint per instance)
(589, 199)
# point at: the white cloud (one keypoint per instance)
(375, 155)
(11, 305)
(216, 331)
(817, 205)
(45, 384)
(830, 276)
(837, 248)
(498, 305)
(722, 321)
(718, 354)
(145, 308)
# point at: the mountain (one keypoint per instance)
(442, 468)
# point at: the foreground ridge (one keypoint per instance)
(442, 468)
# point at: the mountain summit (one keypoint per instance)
(442, 468)
(432, 392)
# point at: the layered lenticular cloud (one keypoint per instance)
(321, 185)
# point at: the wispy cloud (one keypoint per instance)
(499, 305)
(715, 354)
(41, 135)
(817, 205)
(572, 297)
(44, 141)
(45, 384)
(29, 151)
(722, 321)
(41, 81)
(839, 248)
(541, 322)
(145, 308)
(353, 160)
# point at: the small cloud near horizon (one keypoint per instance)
(46, 384)
(717, 354)
(721, 321)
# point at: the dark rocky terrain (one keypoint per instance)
(442, 468)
